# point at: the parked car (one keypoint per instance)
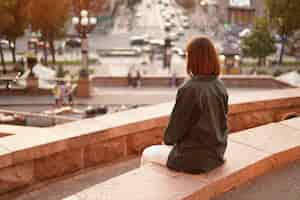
(173, 36)
(4, 44)
(186, 25)
(172, 14)
(184, 18)
(138, 15)
(167, 19)
(35, 43)
(167, 25)
(139, 40)
(180, 32)
(173, 23)
(73, 43)
(157, 42)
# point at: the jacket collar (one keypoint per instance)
(204, 77)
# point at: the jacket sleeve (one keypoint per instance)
(180, 119)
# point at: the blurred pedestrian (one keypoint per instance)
(56, 94)
(70, 93)
(130, 77)
(62, 88)
(173, 80)
(151, 56)
(138, 78)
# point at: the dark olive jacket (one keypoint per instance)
(198, 126)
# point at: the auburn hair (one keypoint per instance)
(202, 58)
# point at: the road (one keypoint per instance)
(147, 19)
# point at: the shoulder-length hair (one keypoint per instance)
(202, 58)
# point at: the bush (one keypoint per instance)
(262, 72)
(60, 72)
(83, 72)
(277, 72)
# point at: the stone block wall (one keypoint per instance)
(47, 153)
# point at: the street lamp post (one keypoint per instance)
(83, 21)
(167, 53)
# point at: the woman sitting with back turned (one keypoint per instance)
(196, 137)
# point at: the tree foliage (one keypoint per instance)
(284, 16)
(13, 22)
(60, 72)
(259, 44)
(49, 17)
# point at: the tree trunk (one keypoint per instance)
(283, 43)
(262, 61)
(45, 59)
(281, 53)
(14, 52)
(258, 62)
(2, 60)
(52, 49)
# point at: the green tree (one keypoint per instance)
(51, 24)
(259, 44)
(284, 16)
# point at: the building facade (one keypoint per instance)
(241, 12)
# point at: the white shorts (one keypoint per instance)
(157, 154)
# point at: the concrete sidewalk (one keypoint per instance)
(281, 184)
(112, 96)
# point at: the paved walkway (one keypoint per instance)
(277, 185)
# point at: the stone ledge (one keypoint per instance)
(257, 81)
(295, 123)
(131, 130)
(248, 156)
